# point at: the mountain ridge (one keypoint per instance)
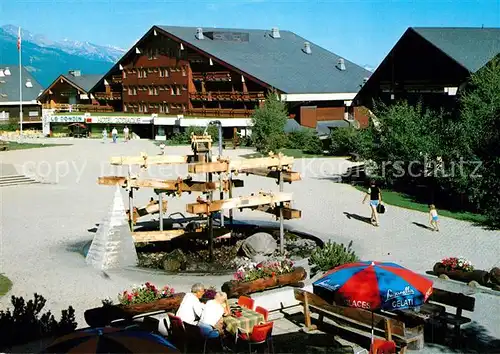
(46, 63)
(88, 49)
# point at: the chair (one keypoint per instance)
(263, 312)
(195, 338)
(381, 346)
(260, 334)
(177, 331)
(245, 301)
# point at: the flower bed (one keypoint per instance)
(145, 293)
(462, 270)
(262, 276)
(139, 300)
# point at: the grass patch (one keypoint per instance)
(407, 201)
(297, 153)
(12, 145)
(5, 285)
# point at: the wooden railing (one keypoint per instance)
(107, 96)
(227, 96)
(220, 112)
(213, 76)
(65, 107)
(116, 78)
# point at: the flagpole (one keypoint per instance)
(20, 86)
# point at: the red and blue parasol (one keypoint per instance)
(374, 285)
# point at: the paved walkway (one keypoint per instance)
(43, 225)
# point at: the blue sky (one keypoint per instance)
(360, 30)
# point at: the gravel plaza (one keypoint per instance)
(44, 226)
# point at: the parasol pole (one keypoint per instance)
(372, 330)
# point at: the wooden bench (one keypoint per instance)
(459, 301)
(354, 175)
(355, 319)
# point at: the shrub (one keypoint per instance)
(332, 255)
(26, 322)
(144, 294)
(348, 140)
(306, 140)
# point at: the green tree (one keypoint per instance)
(269, 123)
(408, 141)
(478, 140)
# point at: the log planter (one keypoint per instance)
(103, 316)
(235, 288)
(495, 276)
(481, 276)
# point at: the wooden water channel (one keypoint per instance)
(278, 203)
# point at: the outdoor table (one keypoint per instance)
(246, 322)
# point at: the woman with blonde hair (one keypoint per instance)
(211, 320)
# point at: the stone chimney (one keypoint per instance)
(275, 32)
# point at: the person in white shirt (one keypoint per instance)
(114, 134)
(211, 319)
(125, 133)
(191, 308)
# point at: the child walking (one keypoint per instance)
(433, 217)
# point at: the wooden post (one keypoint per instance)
(307, 314)
(282, 229)
(230, 196)
(160, 197)
(130, 201)
(131, 208)
(210, 217)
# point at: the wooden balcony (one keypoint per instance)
(220, 112)
(65, 107)
(212, 76)
(227, 96)
(116, 79)
(107, 96)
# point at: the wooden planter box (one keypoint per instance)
(481, 276)
(235, 288)
(103, 316)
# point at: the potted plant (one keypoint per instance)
(262, 276)
(461, 269)
(139, 300)
(209, 294)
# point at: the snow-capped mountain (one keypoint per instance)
(369, 68)
(85, 49)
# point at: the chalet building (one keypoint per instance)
(70, 92)
(191, 76)
(430, 65)
(9, 95)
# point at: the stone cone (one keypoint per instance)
(113, 245)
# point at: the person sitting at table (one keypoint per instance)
(191, 309)
(211, 321)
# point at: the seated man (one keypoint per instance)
(211, 319)
(191, 308)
